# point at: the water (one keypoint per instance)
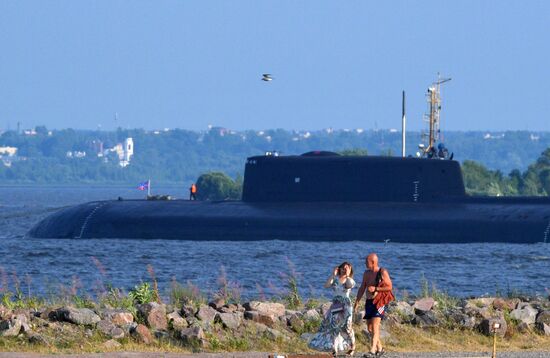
(258, 268)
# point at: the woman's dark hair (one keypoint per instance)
(344, 264)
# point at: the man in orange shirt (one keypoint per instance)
(373, 314)
(193, 192)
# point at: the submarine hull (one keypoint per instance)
(451, 221)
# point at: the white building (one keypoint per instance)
(9, 151)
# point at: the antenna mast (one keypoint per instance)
(433, 97)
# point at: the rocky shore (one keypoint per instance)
(220, 326)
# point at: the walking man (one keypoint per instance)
(376, 281)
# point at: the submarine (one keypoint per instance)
(322, 195)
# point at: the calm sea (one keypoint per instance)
(258, 268)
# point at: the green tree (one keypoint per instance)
(218, 186)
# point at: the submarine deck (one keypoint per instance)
(459, 220)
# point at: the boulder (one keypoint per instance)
(176, 321)
(486, 326)
(143, 334)
(424, 305)
(111, 344)
(462, 320)
(35, 338)
(217, 303)
(10, 327)
(544, 328)
(266, 319)
(269, 308)
(118, 317)
(154, 315)
(543, 317)
(524, 328)
(80, 316)
(206, 314)
(527, 314)
(193, 336)
(230, 320)
(109, 329)
(230, 308)
(295, 323)
(188, 311)
(404, 310)
(311, 315)
(425, 320)
(504, 304)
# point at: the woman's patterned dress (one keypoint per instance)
(336, 331)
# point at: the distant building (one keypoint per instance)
(97, 147)
(9, 151)
(76, 154)
(8, 155)
(127, 152)
(124, 152)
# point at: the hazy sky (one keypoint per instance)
(337, 63)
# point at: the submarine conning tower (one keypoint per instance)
(327, 176)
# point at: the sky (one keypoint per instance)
(339, 63)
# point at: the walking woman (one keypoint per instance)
(336, 332)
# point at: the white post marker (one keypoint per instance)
(148, 188)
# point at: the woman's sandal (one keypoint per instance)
(381, 352)
(351, 352)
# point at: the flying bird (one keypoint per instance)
(267, 77)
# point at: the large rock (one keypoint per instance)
(404, 310)
(527, 314)
(143, 334)
(188, 311)
(543, 317)
(80, 316)
(424, 305)
(193, 336)
(296, 323)
(266, 319)
(176, 321)
(230, 320)
(505, 304)
(425, 320)
(269, 308)
(38, 339)
(154, 315)
(462, 320)
(217, 303)
(118, 317)
(207, 314)
(311, 315)
(486, 327)
(544, 328)
(109, 329)
(230, 308)
(10, 327)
